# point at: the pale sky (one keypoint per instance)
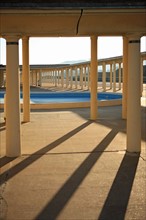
(61, 49)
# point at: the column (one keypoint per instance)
(40, 78)
(13, 137)
(85, 76)
(111, 76)
(88, 68)
(141, 70)
(36, 78)
(71, 76)
(67, 78)
(114, 76)
(133, 104)
(32, 77)
(81, 76)
(93, 102)
(104, 77)
(26, 79)
(119, 76)
(125, 77)
(55, 77)
(76, 78)
(62, 78)
(58, 81)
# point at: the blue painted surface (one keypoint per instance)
(62, 97)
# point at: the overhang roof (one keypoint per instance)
(71, 4)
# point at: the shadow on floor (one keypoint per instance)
(58, 202)
(115, 206)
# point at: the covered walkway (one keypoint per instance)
(74, 168)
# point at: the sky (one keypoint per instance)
(60, 49)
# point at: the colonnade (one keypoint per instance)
(131, 89)
(78, 76)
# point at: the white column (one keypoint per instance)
(93, 102)
(26, 79)
(13, 137)
(133, 105)
(125, 77)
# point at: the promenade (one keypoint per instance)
(73, 168)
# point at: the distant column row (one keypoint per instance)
(78, 77)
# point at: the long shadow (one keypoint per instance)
(4, 160)
(58, 202)
(38, 154)
(116, 203)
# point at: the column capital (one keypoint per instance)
(25, 38)
(93, 37)
(12, 38)
(133, 36)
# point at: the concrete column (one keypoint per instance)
(55, 75)
(13, 137)
(32, 76)
(114, 76)
(76, 78)
(125, 77)
(88, 68)
(133, 105)
(93, 102)
(26, 79)
(81, 76)
(62, 78)
(119, 76)
(40, 78)
(67, 78)
(85, 71)
(111, 76)
(71, 77)
(36, 78)
(58, 77)
(104, 77)
(141, 70)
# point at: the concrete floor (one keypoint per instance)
(72, 168)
